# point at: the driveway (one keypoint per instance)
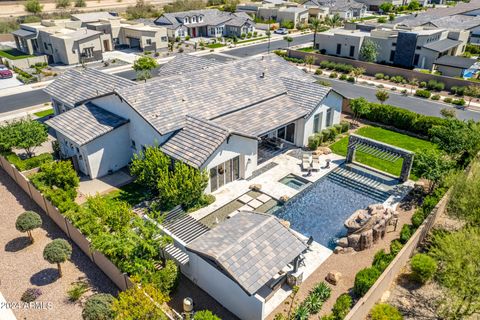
(10, 82)
(22, 265)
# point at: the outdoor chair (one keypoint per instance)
(306, 161)
(315, 162)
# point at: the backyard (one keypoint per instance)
(14, 54)
(394, 138)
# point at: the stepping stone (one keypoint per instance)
(263, 198)
(245, 208)
(245, 198)
(255, 204)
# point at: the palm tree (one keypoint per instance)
(333, 21)
(314, 25)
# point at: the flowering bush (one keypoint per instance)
(31, 294)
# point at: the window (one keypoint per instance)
(392, 55)
(339, 48)
(281, 133)
(290, 136)
(133, 146)
(415, 59)
(200, 19)
(45, 45)
(185, 20)
(164, 39)
(394, 44)
(88, 52)
(149, 41)
(329, 117)
(352, 51)
(194, 19)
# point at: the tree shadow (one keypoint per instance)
(406, 281)
(17, 244)
(45, 277)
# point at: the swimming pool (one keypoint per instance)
(321, 209)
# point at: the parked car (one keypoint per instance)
(5, 73)
(281, 31)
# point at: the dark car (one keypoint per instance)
(4, 72)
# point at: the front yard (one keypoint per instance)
(394, 138)
(14, 54)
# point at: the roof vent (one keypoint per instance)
(262, 75)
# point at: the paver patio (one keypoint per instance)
(22, 265)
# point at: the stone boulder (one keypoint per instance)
(338, 250)
(283, 199)
(333, 277)
(324, 150)
(342, 242)
(366, 240)
(354, 241)
(255, 187)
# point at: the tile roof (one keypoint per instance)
(457, 22)
(306, 95)
(24, 33)
(442, 45)
(250, 248)
(454, 61)
(85, 123)
(194, 144)
(211, 17)
(185, 63)
(74, 86)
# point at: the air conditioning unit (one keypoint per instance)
(294, 278)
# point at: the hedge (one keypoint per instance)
(423, 93)
(364, 280)
(28, 163)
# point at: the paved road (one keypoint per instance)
(22, 100)
(419, 105)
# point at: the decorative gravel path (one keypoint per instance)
(22, 265)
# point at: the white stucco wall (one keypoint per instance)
(241, 146)
(108, 152)
(224, 290)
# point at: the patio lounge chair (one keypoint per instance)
(306, 161)
(315, 162)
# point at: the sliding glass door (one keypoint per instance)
(224, 173)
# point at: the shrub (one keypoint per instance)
(423, 267)
(31, 294)
(333, 75)
(422, 84)
(459, 91)
(77, 291)
(324, 83)
(417, 218)
(318, 72)
(342, 306)
(313, 142)
(381, 260)
(405, 233)
(423, 93)
(436, 97)
(379, 76)
(29, 163)
(383, 311)
(459, 102)
(435, 85)
(386, 77)
(323, 291)
(395, 247)
(324, 64)
(364, 279)
(313, 303)
(301, 313)
(57, 251)
(326, 134)
(98, 307)
(447, 100)
(343, 77)
(205, 315)
(345, 125)
(351, 79)
(28, 221)
(338, 128)
(166, 279)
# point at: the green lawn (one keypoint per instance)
(308, 49)
(252, 39)
(215, 45)
(44, 113)
(131, 193)
(386, 136)
(14, 54)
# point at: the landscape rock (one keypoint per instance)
(283, 199)
(342, 242)
(255, 187)
(348, 250)
(353, 241)
(324, 150)
(366, 240)
(338, 250)
(333, 277)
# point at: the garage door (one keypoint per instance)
(134, 43)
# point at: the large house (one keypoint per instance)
(206, 23)
(218, 118)
(346, 9)
(85, 37)
(419, 47)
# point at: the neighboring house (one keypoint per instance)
(85, 37)
(194, 117)
(206, 23)
(420, 47)
(452, 66)
(346, 9)
(298, 15)
(239, 261)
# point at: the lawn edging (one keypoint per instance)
(363, 306)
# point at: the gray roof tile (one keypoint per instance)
(442, 45)
(85, 123)
(75, 87)
(233, 240)
(185, 63)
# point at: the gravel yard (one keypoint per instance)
(22, 265)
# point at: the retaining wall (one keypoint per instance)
(362, 308)
(24, 63)
(372, 68)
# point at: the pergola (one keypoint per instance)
(382, 151)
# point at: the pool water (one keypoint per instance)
(321, 209)
(294, 182)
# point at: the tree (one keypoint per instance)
(289, 24)
(288, 39)
(314, 25)
(369, 51)
(26, 134)
(414, 5)
(28, 221)
(432, 165)
(57, 251)
(148, 165)
(386, 7)
(360, 107)
(457, 256)
(144, 66)
(99, 307)
(357, 72)
(140, 303)
(333, 21)
(472, 91)
(382, 95)
(57, 175)
(205, 315)
(448, 113)
(33, 6)
(309, 60)
(80, 3)
(230, 5)
(62, 4)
